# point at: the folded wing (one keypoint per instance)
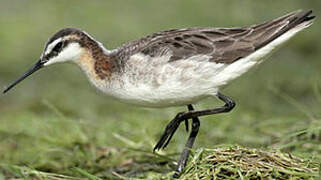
(223, 45)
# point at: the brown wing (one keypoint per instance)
(224, 45)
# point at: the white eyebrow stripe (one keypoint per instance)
(51, 46)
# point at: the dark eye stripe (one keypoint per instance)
(58, 47)
(55, 51)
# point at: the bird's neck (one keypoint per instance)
(96, 63)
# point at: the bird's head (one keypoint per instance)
(67, 45)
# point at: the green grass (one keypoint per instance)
(225, 162)
(54, 125)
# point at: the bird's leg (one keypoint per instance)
(182, 116)
(191, 114)
(186, 125)
(189, 144)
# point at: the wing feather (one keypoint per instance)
(223, 45)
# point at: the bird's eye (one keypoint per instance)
(57, 48)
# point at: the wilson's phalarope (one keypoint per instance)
(171, 68)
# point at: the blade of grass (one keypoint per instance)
(85, 173)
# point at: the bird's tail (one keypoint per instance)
(266, 38)
(298, 19)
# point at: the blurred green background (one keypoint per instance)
(50, 114)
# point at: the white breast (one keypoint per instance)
(157, 83)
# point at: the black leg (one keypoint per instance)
(184, 116)
(189, 144)
(186, 125)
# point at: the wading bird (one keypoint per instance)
(172, 68)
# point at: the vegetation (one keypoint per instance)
(54, 125)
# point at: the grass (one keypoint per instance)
(245, 163)
(75, 149)
(55, 126)
(231, 162)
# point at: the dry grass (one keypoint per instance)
(245, 163)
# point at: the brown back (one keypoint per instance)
(224, 45)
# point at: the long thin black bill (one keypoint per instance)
(33, 69)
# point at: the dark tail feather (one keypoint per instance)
(300, 17)
(289, 21)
